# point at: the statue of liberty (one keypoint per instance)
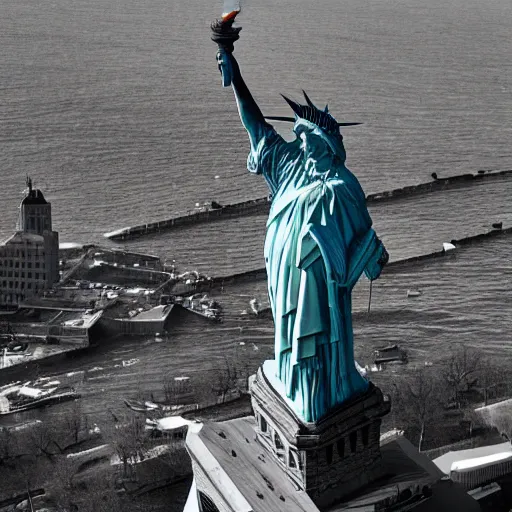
(319, 242)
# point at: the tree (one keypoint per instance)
(127, 439)
(418, 402)
(43, 440)
(461, 372)
(75, 421)
(70, 489)
(491, 377)
(176, 391)
(226, 379)
(7, 446)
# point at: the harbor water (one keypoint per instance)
(117, 112)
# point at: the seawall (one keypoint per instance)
(262, 205)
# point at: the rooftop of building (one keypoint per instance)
(34, 195)
(21, 236)
(473, 456)
(256, 478)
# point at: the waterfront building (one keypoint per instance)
(29, 259)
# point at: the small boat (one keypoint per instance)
(448, 246)
(390, 354)
(255, 306)
(413, 293)
(148, 407)
(135, 405)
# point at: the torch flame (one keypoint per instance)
(230, 16)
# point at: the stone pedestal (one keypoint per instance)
(331, 459)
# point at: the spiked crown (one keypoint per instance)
(311, 113)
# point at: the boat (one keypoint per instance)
(255, 306)
(135, 405)
(149, 407)
(46, 400)
(201, 305)
(390, 354)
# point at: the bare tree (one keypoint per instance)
(491, 378)
(70, 489)
(461, 372)
(43, 440)
(7, 446)
(75, 420)
(127, 438)
(176, 391)
(418, 402)
(226, 379)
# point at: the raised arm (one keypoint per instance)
(250, 113)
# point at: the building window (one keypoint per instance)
(37, 264)
(328, 454)
(277, 441)
(353, 441)
(29, 265)
(17, 264)
(206, 503)
(340, 446)
(29, 285)
(263, 424)
(30, 275)
(291, 460)
(365, 434)
(37, 275)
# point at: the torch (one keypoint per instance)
(225, 35)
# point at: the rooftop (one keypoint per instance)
(21, 236)
(447, 461)
(228, 451)
(34, 196)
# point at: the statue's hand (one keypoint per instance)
(384, 257)
(379, 259)
(225, 66)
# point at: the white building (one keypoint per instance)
(29, 259)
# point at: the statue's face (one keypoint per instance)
(317, 141)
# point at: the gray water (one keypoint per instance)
(116, 110)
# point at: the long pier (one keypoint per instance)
(262, 205)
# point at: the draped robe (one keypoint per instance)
(319, 241)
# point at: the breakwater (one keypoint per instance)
(261, 273)
(252, 207)
(262, 205)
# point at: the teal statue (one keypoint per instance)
(319, 242)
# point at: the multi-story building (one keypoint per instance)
(29, 259)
